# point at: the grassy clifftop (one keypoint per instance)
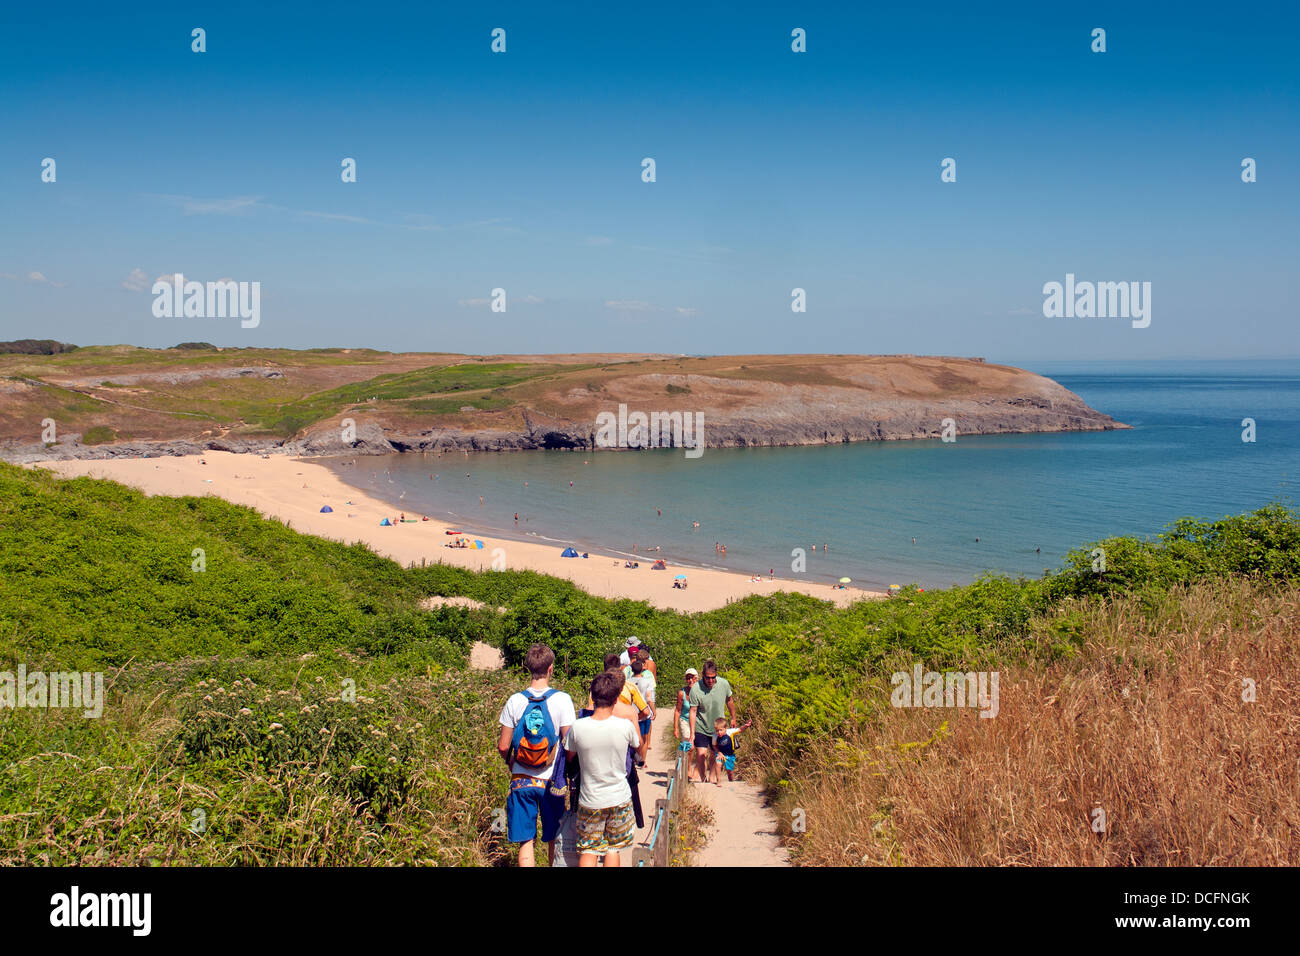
(119, 393)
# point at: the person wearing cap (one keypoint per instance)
(633, 644)
(682, 719)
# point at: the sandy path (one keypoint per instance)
(294, 489)
(744, 829)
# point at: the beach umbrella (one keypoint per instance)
(681, 577)
(846, 580)
(478, 545)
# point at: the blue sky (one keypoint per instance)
(774, 170)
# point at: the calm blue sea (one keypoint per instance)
(1028, 499)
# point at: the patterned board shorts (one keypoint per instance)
(608, 829)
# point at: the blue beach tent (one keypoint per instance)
(385, 523)
(327, 510)
(568, 553)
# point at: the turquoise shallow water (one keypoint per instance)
(1015, 493)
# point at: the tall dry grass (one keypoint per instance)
(1147, 724)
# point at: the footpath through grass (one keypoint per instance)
(276, 698)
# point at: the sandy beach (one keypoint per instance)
(294, 490)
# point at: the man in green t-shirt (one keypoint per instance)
(709, 699)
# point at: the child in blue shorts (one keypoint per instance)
(724, 749)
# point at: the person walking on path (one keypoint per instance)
(710, 699)
(724, 745)
(534, 723)
(630, 693)
(605, 818)
(644, 681)
(682, 719)
(633, 646)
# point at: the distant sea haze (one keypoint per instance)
(1028, 499)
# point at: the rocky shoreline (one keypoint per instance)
(889, 424)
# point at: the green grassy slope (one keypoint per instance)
(293, 692)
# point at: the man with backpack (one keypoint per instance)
(534, 723)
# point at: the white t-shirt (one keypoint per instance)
(602, 745)
(563, 715)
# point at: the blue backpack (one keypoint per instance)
(536, 739)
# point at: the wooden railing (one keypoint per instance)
(664, 831)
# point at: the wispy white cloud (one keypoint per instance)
(240, 205)
(640, 305)
(234, 206)
(36, 278)
(517, 300)
(334, 216)
(137, 281)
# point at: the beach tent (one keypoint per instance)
(326, 510)
(385, 523)
(568, 553)
(478, 545)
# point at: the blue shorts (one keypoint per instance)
(729, 763)
(644, 726)
(523, 807)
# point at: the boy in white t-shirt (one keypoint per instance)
(606, 821)
(531, 757)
